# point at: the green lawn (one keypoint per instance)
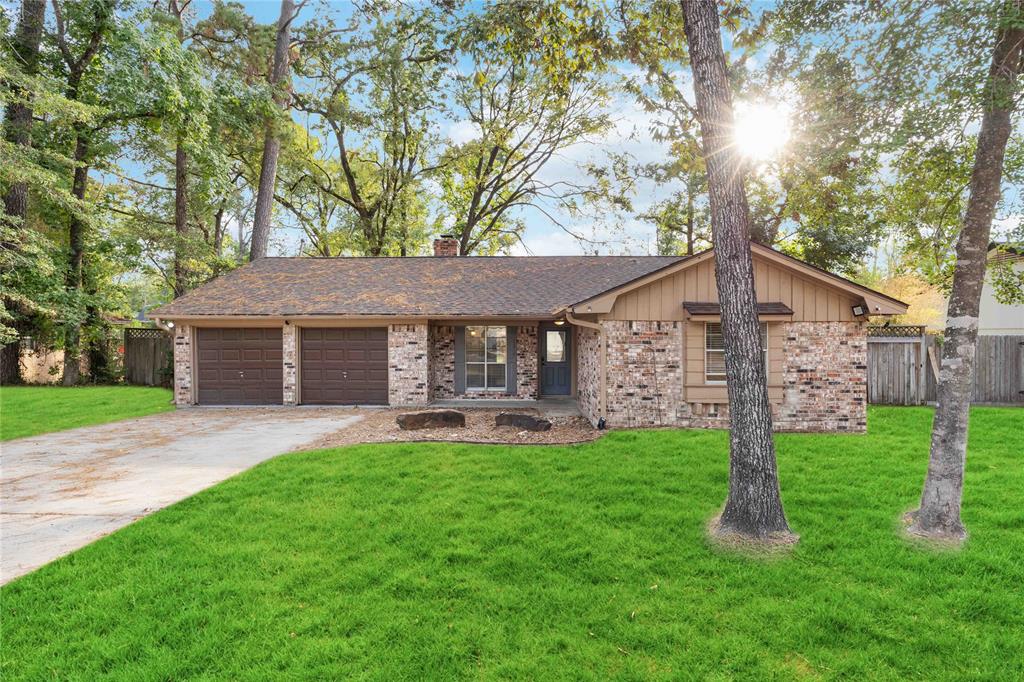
(31, 410)
(435, 561)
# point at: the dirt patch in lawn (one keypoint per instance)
(379, 426)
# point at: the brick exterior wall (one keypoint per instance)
(183, 394)
(289, 357)
(588, 372)
(442, 366)
(527, 378)
(408, 364)
(825, 378)
(645, 372)
(442, 362)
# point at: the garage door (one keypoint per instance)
(239, 366)
(345, 366)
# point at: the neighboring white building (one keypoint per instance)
(996, 317)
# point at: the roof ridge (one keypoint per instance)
(456, 258)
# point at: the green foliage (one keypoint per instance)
(817, 199)
(919, 71)
(524, 104)
(445, 561)
(373, 95)
(1006, 274)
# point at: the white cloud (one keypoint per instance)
(462, 131)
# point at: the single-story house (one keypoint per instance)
(635, 340)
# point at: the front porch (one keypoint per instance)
(554, 406)
(500, 365)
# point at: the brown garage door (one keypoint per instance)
(345, 366)
(239, 366)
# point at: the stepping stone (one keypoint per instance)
(523, 421)
(433, 419)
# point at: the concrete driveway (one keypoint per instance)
(61, 491)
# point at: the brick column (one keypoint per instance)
(183, 393)
(289, 355)
(408, 364)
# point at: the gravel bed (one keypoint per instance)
(379, 426)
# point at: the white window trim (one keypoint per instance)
(485, 363)
(764, 353)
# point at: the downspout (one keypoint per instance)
(602, 368)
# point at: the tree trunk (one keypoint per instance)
(73, 277)
(689, 219)
(10, 363)
(180, 218)
(19, 114)
(939, 514)
(271, 144)
(218, 231)
(754, 506)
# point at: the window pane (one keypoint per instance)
(764, 336)
(474, 344)
(554, 346)
(474, 376)
(714, 368)
(495, 376)
(713, 336)
(496, 347)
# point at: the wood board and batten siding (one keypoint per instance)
(662, 299)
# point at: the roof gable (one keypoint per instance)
(876, 302)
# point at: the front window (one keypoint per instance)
(714, 351)
(486, 356)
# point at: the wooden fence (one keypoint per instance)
(902, 370)
(148, 360)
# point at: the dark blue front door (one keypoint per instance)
(555, 360)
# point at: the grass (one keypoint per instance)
(31, 410)
(435, 561)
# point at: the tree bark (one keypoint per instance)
(10, 363)
(271, 143)
(180, 218)
(689, 219)
(939, 514)
(180, 183)
(76, 253)
(19, 114)
(754, 506)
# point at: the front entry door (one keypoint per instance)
(555, 360)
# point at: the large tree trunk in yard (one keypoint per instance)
(753, 509)
(25, 48)
(76, 254)
(271, 143)
(180, 218)
(939, 514)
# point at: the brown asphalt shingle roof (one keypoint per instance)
(426, 286)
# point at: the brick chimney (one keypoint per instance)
(446, 245)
